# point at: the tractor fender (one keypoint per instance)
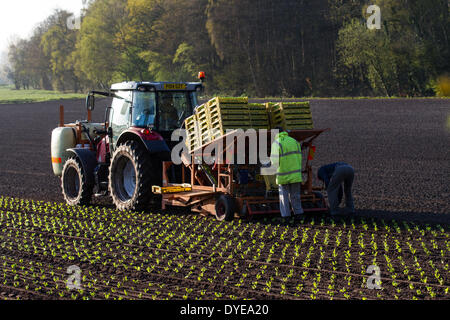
(153, 141)
(159, 148)
(88, 160)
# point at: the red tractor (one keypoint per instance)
(123, 156)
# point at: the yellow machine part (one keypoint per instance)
(176, 188)
(271, 182)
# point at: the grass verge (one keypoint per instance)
(8, 95)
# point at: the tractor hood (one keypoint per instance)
(145, 134)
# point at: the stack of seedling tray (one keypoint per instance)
(227, 114)
(202, 113)
(192, 132)
(291, 115)
(259, 116)
(214, 118)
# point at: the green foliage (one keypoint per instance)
(58, 44)
(369, 50)
(257, 48)
(404, 57)
(99, 57)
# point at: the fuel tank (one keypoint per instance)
(63, 138)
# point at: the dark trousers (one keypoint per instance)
(343, 175)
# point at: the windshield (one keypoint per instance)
(144, 106)
(174, 108)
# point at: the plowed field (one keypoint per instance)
(400, 151)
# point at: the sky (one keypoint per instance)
(19, 17)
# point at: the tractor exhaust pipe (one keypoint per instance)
(61, 116)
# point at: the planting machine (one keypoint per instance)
(128, 157)
(226, 186)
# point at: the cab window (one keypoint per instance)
(144, 109)
(173, 109)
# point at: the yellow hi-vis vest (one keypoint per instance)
(286, 156)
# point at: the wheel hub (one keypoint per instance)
(129, 178)
(72, 183)
(125, 179)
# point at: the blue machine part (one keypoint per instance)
(243, 177)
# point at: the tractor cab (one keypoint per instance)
(160, 107)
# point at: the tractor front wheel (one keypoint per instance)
(75, 187)
(130, 177)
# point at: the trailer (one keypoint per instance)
(227, 190)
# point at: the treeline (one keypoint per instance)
(246, 47)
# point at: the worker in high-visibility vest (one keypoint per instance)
(335, 176)
(286, 157)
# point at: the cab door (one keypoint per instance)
(120, 115)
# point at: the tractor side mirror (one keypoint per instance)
(90, 102)
(110, 132)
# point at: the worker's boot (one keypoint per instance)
(349, 210)
(349, 206)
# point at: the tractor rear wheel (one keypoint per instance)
(131, 177)
(75, 187)
(225, 208)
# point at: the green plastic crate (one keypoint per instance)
(291, 116)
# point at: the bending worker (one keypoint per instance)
(286, 157)
(335, 175)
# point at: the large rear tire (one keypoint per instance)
(131, 177)
(75, 187)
